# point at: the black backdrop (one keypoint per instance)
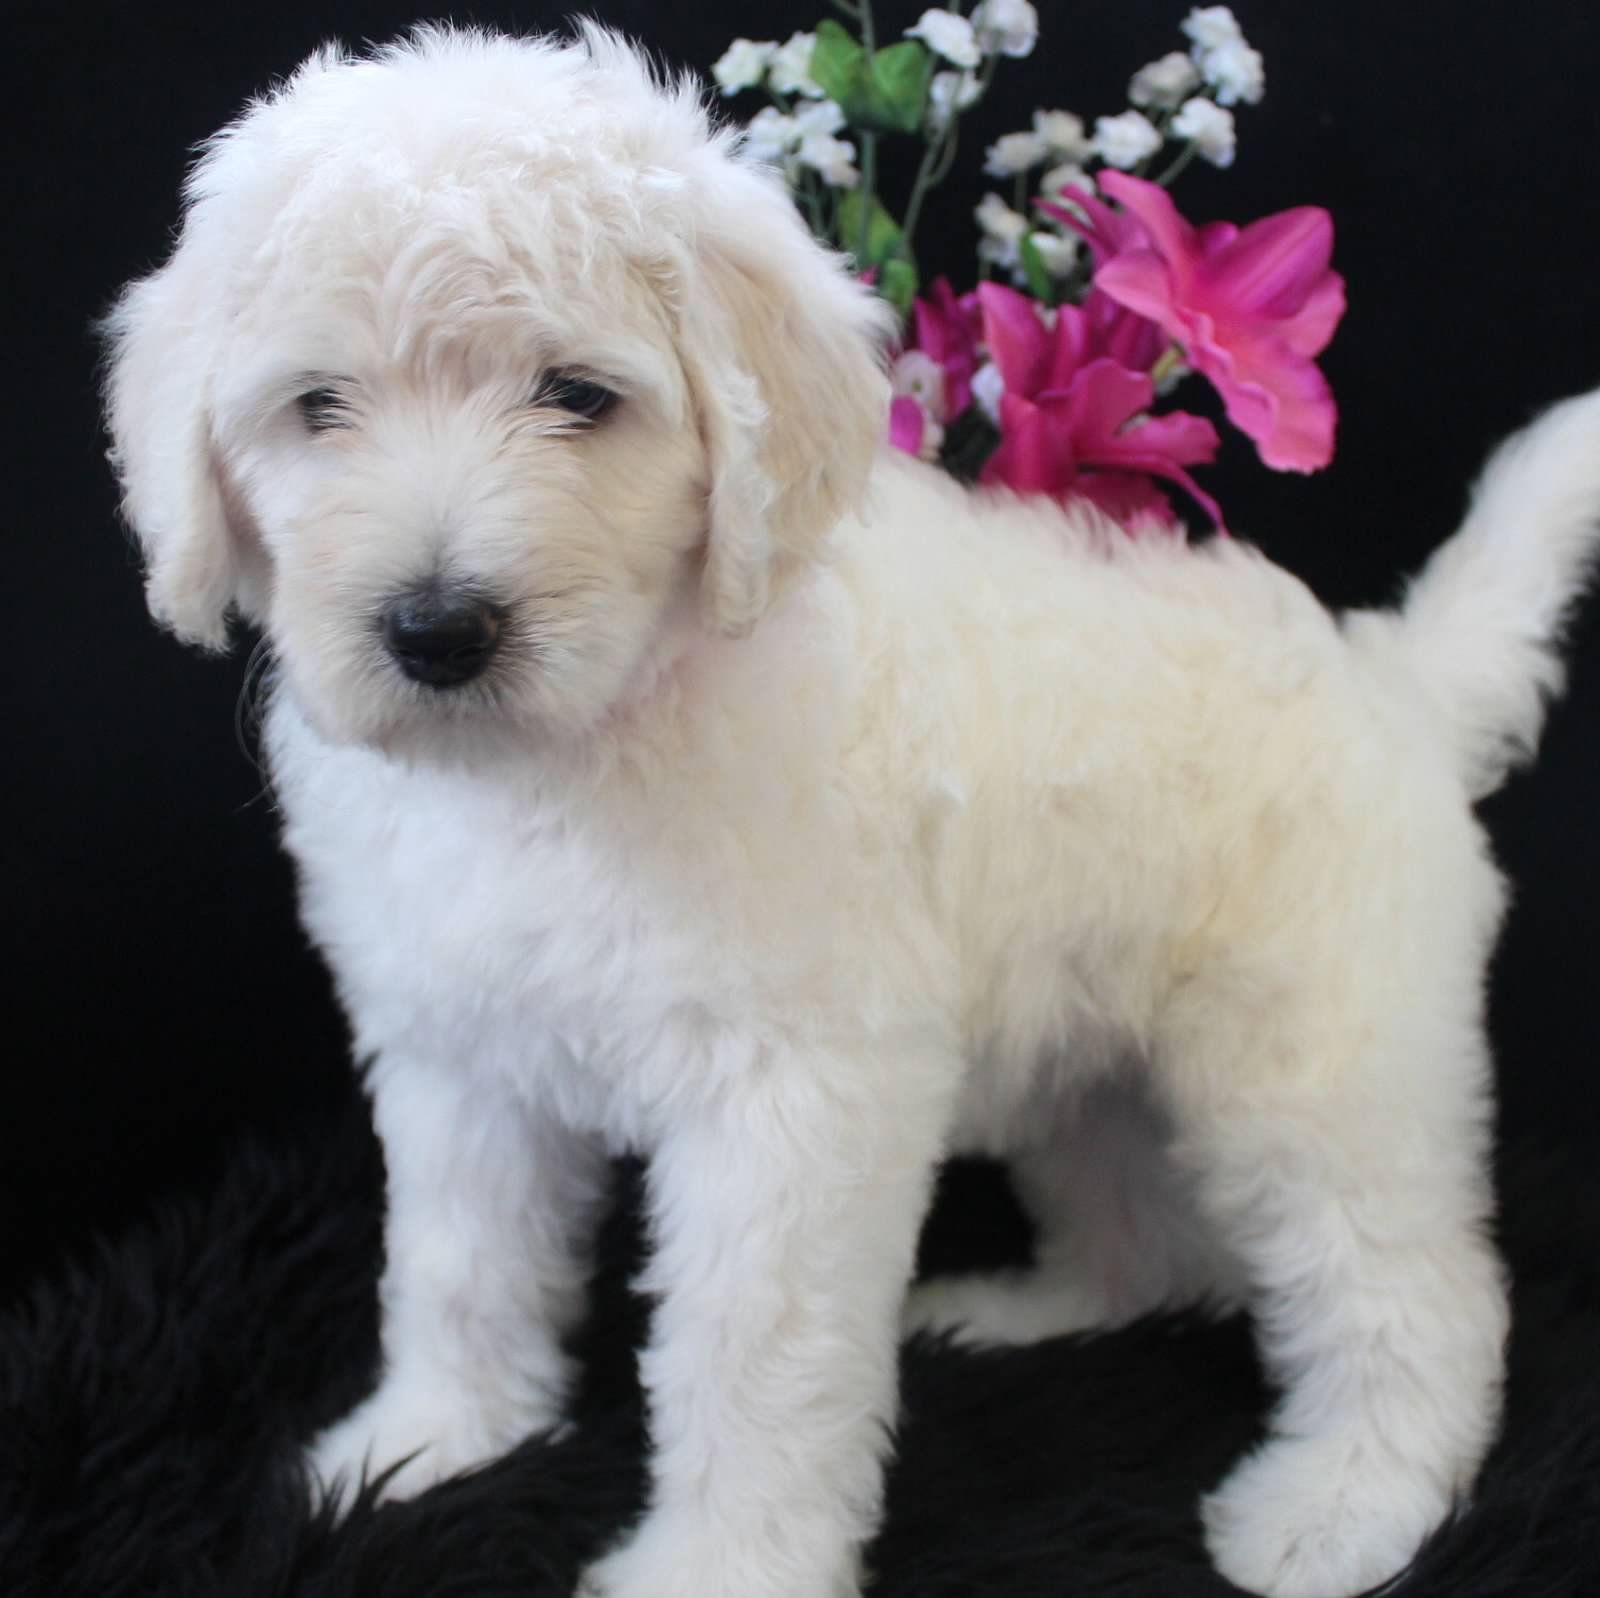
(158, 998)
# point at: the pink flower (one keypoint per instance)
(1129, 339)
(1107, 231)
(913, 428)
(947, 329)
(1134, 340)
(1252, 308)
(1072, 420)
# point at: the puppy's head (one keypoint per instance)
(480, 362)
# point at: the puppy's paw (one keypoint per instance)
(1319, 1518)
(1001, 1311)
(665, 1558)
(408, 1445)
(418, 1440)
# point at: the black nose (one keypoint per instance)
(442, 637)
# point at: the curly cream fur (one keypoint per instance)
(819, 817)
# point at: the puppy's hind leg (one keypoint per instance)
(1119, 1235)
(1342, 1148)
(491, 1213)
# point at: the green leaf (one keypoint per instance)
(839, 65)
(900, 78)
(884, 94)
(883, 232)
(897, 283)
(1040, 283)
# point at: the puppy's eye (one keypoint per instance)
(322, 408)
(580, 396)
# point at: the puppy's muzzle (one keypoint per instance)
(441, 636)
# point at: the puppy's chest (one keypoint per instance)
(462, 919)
(459, 903)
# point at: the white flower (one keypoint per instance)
(831, 157)
(1063, 132)
(1003, 230)
(1006, 27)
(951, 92)
(1068, 175)
(988, 387)
(1211, 26)
(1164, 83)
(999, 221)
(1234, 71)
(1126, 140)
(808, 136)
(770, 135)
(917, 373)
(825, 116)
(1059, 252)
(742, 65)
(790, 71)
(1016, 152)
(1209, 128)
(947, 35)
(998, 253)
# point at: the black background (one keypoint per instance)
(158, 997)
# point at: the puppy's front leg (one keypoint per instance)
(785, 1209)
(491, 1211)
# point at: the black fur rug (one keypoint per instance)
(152, 1396)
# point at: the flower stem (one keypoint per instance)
(846, 6)
(1162, 123)
(869, 179)
(937, 159)
(813, 204)
(1165, 179)
(948, 159)
(869, 144)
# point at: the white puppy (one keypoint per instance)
(672, 768)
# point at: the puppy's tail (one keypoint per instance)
(1481, 624)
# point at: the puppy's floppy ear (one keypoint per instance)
(162, 336)
(784, 352)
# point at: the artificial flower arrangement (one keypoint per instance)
(1096, 297)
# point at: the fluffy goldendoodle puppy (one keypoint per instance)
(672, 768)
